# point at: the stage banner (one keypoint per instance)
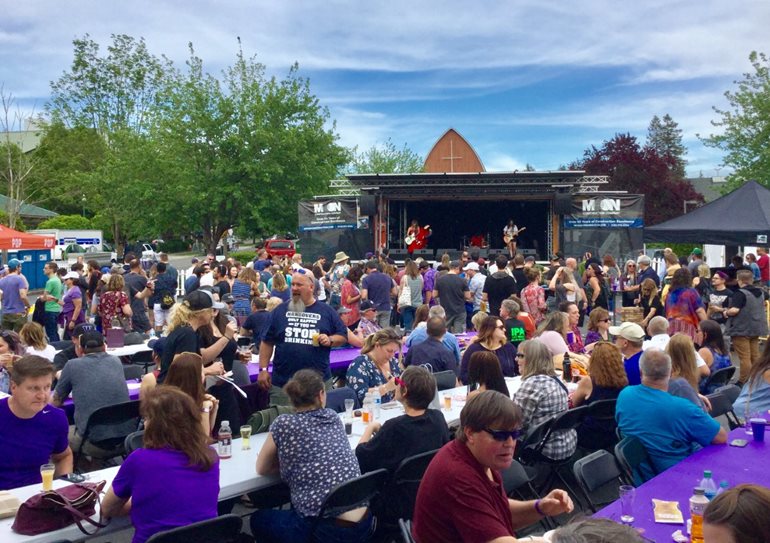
(606, 211)
(328, 214)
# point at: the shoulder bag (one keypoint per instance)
(56, 509)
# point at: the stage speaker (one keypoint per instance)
(562, 204)
(398, 254)
(425, 253)
(367, 204)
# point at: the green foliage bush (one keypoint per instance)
(242, 256)
(67, 222)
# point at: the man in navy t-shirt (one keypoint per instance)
(31, 431)
(302, 332)
(377, 287)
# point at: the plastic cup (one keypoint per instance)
(758, 429)
(627, 494)
(46, 472)
(349, 427)
(315, 336)
(349, 408)
(570, 337)
(448, 402)
(245, 435)
(365, 416)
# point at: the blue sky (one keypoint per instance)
(523, 81)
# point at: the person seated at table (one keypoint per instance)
(186, 373)
(11, 349)
(96, 380)
(420, 332)
(515, 329)
(311, 452)
(552, 333)
(477, 319)
(629, 337)
(484, 373)
(755, 394)
(595, 530)
(606, 378)
(173, 480)
(31, 431)
(598, 328)
(574, 337)
(33, 336)
(542, 395)
(461, 496)
(669, 427)
(419, 430)
(432, 351)
(376, 366)
(491, 338)
(368, 324)
(65, 355)
(738, 515)
(712, 350)
(657, 329)
(684, 381)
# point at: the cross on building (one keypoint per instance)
(451, 158)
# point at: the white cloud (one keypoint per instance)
(500, 162)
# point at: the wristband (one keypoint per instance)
(537, 508)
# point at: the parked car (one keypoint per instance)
(280, 247)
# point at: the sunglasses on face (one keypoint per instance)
(519, 355)
(604, 320)
(503, 435)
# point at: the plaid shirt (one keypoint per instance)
(541, 397)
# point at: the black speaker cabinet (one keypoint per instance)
(367, 204)
(562, 204)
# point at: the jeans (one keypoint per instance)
(383, 318)
(282, 526)
(456, 323)
(407, 312)
(51, 326)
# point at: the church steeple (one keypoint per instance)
(452, 154)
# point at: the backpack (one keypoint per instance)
(166, 301)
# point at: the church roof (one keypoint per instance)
(452, 154)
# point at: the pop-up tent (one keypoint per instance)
(13, 240)
(739, 218)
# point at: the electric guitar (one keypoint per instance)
(511, 237)
(417, 238)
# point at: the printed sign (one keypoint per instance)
(327, 214)
(606, 211)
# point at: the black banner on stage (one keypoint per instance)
(331, 214)
(606, 211)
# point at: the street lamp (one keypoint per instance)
(83, 200)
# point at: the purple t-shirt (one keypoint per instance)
(10, 285)
(69, 303)
(165, 492)
(27, 444)
(378, 286)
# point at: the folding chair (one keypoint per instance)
(600, 415)
(124, 415)
(351, 494)
(402, 491)
(517, 482)
(598, 475)
(335, 399)
(731, 391)
(224, 529)
(445, 379)
(721, 405)
(132, 372)
(717, 379)
(134, 441)
(406, 531)
(633, 458)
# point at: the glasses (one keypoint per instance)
(501, 327)
(604, 320)
(519, 355)
(503, 435)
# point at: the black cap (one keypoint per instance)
(366, 305)
(82, 328)
(91, 340)
(199, 300)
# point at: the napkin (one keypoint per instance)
(667, 512)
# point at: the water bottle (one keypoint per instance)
(225, 440)
(152, 333)
(708, 485)
(698, 503)
(367, 408)
(723, 485)
(377, 403)
(566, 373)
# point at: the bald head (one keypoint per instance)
(571, 263)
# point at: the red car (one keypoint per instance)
(280, 247)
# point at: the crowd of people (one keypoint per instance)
(529, 320)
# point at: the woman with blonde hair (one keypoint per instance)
(552, 332)
(376, 366)
(113, 303)
(279, 287)
(684, 380)
(629, 285)
(650, 302)
(33, 336)
(606, 378)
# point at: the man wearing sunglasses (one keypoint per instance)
(461, 497)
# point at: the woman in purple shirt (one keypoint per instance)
(174, 480)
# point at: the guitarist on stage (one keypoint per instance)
(416, 237)
(510, 234)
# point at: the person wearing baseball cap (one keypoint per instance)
(696, 259)
(13, 293)
(476, 281)
(368, 323)
(629, 337)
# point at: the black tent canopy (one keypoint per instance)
(738, 218)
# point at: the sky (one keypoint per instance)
(524, 82)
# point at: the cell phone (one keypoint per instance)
(738, 443)
(74, 477)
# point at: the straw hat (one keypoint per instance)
(340, 257)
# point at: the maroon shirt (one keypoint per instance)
(457, 501)
(764, 267)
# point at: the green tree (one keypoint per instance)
(745, 126)
(245, 149)
(16, 164)
(67, 222)
(386, 158)
(665, 137)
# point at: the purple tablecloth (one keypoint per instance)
(733, 464)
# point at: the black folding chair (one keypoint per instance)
(335, 399)
(599, 478)
(132, 372)
(717, 379)
(731, 391)
(143, 360)
(406, 481)
(134, 441)
(445, 379)
(124, 415)
(406, 530)
(721, 405)
(350, 495)
(517, 482)
(633, 458)
(224, 529)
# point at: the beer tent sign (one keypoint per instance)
(327, 214)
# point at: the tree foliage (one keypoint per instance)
(745, 126)
(640, 170)
(16, 166)
(67, 222)
(665, 137)
(385, 158)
